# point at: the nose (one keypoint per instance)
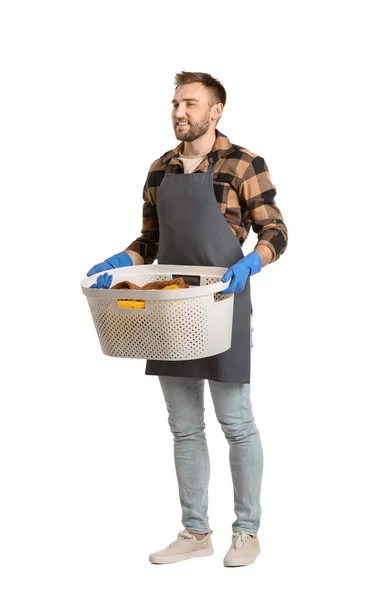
(179, 112)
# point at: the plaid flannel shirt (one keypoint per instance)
(243, 190)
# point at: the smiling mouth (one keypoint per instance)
(181, 124)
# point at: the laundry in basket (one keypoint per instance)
(159, 285)
(183, 324)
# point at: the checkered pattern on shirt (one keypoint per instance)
(243, 190)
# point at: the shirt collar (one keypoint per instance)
(222, 147)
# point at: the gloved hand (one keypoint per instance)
(103, 281)
(122, 259)
(239, 273)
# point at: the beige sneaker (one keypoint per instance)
(243, 551)
(185, 546)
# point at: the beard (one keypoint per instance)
(195, 130)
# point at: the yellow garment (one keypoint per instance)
(172, 287)
(140, 304)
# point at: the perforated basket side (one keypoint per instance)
(173, 330)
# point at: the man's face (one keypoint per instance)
(191, 113)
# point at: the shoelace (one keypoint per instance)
(240, 538)
(183, 535)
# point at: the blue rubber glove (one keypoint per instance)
(103, 281)
(122, 259)
(239, 273)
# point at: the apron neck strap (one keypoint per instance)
(211, 168)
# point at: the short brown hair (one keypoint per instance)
(217, 91)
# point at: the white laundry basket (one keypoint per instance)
(183, 324)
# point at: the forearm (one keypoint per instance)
(135, 257)
(265, 254)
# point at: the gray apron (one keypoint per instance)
(193, 231)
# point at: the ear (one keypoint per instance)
(216, 112)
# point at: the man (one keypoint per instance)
(200, 201)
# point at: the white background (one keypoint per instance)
(88, 486)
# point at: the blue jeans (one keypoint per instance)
(185, 404)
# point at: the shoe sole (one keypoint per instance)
(232, 562)
(165, 560)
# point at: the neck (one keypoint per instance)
(202, 145)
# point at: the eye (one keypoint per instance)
(191, 103)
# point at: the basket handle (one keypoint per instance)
(189, 279)
(130, 310)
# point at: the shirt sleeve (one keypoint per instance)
(257, 196)
(147, 244)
